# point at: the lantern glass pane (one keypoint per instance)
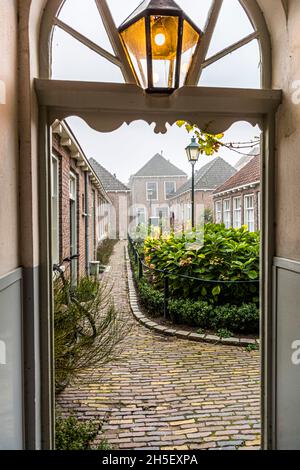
(190, 40)
(164, 43)
(134, 39)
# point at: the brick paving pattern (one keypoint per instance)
(170, 394)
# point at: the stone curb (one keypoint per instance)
(169, 331)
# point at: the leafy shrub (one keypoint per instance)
(151, 298)
(205, 315)
(233, 318)
(226, 255)
(105, 250)
(72, 434)
(86, 332)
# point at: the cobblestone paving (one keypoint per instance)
(167, 393)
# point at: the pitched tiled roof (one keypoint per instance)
(249, 174)
(109, 181)
(210, 176)
(159, 166)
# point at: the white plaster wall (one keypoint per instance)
(9, 257)
(285, 33)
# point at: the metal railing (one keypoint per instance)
(139, 261)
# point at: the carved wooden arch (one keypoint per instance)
(105, 107)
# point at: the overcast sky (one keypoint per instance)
(126, 150)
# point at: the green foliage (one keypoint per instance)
(105, 250)
(223, 318)
(208, 216)
(226, 255)
(224, 333)
(72, 434)
(209, 144)
(87, 328)
(252, 347)
(152, 299)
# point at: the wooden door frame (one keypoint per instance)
(105, 107)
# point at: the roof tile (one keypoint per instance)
(159, 166)
(109, 181)
(210, 176)
(250, 173)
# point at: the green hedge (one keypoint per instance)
(226, 255)
(151, 299)
(204, 315)
(237, 319)
(72, 434)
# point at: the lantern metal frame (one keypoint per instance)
(159, 8)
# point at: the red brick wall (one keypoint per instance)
(67, 165)
(139, 191)
(202, 198)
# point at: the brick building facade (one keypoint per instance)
(79, 203)
(151, 188)
(207, 179)
(237, 201)
(119, 195)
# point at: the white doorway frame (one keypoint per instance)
(105, 107)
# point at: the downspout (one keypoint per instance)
(87, 223)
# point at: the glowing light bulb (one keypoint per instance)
(155, 78)
(160, 39)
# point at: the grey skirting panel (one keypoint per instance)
(11, 278)
(11, 362)
(286, 354)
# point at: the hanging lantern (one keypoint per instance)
(160, 42)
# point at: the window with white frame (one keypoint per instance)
(102, 232)
(258, 210)
(237, 212)
(226, 213)
(55, 209)
(170, 188)
(218, 211)
(164, 211)
(249, 212)
(140, 215)
(152, 191)
(94, 241)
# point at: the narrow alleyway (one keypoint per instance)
(167, 393)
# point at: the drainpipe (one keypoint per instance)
(87, 223)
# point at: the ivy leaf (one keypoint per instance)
(189, 128)
(253, 274)
(216, 291)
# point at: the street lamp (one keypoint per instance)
(160, 42)
(193, 153)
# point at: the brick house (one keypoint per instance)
(237, 201)
(79, 203)
(207, 179)
(119, 195)
(152, 186)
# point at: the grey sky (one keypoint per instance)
(124, 151)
